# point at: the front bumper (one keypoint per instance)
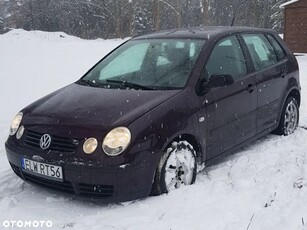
(111, 184)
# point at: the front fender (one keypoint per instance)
(169, 120)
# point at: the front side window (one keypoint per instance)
(227, 58)
(261, 51)
(155, 64)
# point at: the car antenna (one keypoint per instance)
(235, 13)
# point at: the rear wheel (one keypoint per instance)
(176, 168)
(289, 118)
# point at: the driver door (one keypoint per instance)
(230, 110)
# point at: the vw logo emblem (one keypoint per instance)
(45, 141)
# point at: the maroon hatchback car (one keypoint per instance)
(148, 116)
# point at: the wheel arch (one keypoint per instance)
(293, 92)
(296, 94)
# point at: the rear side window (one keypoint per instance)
(227, 58)
(279, 50)
(261, 50)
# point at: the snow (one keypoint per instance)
(287, 3)
(178, 160)
(263, 186)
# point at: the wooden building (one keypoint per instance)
(295, 34)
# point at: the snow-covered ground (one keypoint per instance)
(264, 186)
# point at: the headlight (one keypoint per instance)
(15, 123)
(90, 145)
(116, 141)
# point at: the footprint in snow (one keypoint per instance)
(271, 200)
(69, 225)
(299, 184)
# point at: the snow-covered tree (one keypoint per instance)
(1, 25)
(277, 15)
(142, 20)
(122, 18)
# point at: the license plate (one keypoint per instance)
(47, 171)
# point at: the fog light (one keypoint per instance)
(90, 145)
(20, 132)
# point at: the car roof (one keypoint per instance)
(200, 32)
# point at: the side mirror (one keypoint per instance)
(215, 81)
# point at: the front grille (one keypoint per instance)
(62, 186)
(82, 189)
(59, 144)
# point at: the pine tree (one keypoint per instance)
(142, 19)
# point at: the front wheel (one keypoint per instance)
(177, 167)
(289, 118)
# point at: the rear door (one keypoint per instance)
(270, 71)
(231, 110)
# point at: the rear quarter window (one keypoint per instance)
(278, 49)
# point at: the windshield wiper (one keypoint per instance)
(88, 82)
(130, 84)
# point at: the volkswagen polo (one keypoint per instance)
(148, 116)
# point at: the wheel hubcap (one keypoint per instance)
(179, 169)
(291, 116)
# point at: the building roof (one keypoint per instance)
(288, 3)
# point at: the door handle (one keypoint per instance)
(250, 88)
(283, 73)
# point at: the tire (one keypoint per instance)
(289, 118)
(177, 167)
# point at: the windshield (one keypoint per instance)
(147, 64)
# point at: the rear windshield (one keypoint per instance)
(151, 64)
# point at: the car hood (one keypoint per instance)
(84, 106)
